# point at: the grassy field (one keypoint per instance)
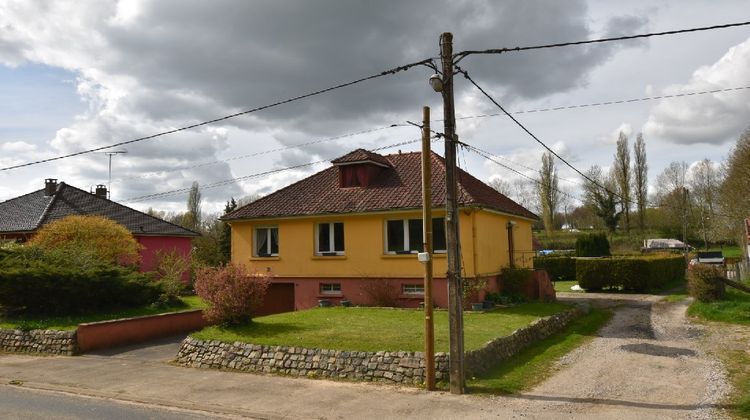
(734, 309)
(71, 322)
(536, 363)
(374, 329)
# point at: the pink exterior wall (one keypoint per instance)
(307, 291)
(152, 244)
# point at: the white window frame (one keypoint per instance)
(407, 245)
(269, 239)
(322, 291)
(412, 289)
(331, 237)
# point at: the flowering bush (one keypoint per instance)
(234, 294)
(108, 240)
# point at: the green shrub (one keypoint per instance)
(558, 268)
(637, 274)
(513, 280)
(704, 283)
(48, 289)
(592, 245)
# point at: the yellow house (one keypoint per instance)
(352, 231)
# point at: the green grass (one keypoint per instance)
(374, 329)
(737, 363)
(727, 251)
(564, 286)
(71, 322)
(536, 363)
(734, 309)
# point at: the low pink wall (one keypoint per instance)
(105, 334)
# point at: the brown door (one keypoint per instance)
(279, 298)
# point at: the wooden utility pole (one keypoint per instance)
(455, 303)
(429, 326)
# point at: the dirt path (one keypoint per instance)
(648, 362)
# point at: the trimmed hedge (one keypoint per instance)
(44, 289)
(704, 283)
(592, 245)
(637, 274)
(558, 268)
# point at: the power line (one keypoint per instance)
(489, 157)
(484, 92)
(614, 102)
(227, 117)
(251, 176)
(460, 55)
(264, 152)
(586, 177)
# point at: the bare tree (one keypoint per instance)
(524, 192)
(673, 195)
(623, 177)
(548, 192)
(601, 198)
(704, 183)
(640, 179)
(502, 186)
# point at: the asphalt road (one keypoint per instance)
(23, 404)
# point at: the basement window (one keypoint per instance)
(412, 289)
(330, 288)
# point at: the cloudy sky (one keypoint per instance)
(76, 75)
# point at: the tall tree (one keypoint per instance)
(225, 241)
(601, 198)
(640, 179)
(623, 177)
(548, 192)
(192, 218)
(734, 194)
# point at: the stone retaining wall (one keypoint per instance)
(39, 341)
(477, 362)
(395, 367)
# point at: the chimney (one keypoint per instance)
(50, 187)
(101, 191)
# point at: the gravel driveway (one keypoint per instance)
(647, 362)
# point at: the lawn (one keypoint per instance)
(564, 286)
(71, 322)
(536, 363)
(734, 309)
(374, 329)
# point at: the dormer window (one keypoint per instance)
(360, 168)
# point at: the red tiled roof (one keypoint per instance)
(361, 155)
(397, 187)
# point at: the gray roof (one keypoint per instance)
(29, 212)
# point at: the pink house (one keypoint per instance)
(20, 218)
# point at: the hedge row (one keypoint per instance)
(558, 268)
(638, 274)
(63, 291)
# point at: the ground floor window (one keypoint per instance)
(404, 236)
(266, 241)
(329, 239)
